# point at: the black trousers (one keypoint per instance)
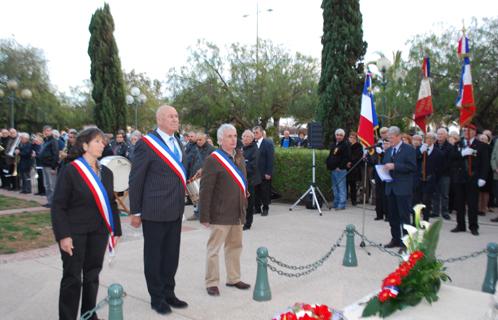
(88, 256)
(250, 207)
(263, 195)
(380, 200)
(399, 214)
(424, 198)
(3, 172)
(467, 194)
(41, 185)
(161, 255)
(353, 185)
(26, 181)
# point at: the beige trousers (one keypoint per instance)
(231, 237)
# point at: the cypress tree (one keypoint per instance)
(342, 70)
(106, 74)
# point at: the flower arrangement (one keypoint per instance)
(418, 276)
(303, 311)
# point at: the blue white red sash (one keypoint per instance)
(164, 152)
(99, 194)
(232, 169)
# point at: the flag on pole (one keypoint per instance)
(423, 108)
(368, 115)
(465, 101)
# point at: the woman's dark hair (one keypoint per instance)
(84, 136)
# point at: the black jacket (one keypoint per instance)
(433, 165)
(479, 163)
(339, 156)
(251, 156)
(356, 155)
(74, 210)
(49, 153)
(26, 161)
(120, 149)
(266, 155)
(445, 165)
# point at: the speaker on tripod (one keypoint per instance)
(315, 135)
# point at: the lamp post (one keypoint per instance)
(383, 64)
(136, 98)
(12, 85)
(257, 28)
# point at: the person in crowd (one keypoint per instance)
(119, 145)
(494, 192)
(203, 150)
(417, 140)
(472, 170)
(4, 141)
(287, 141)
(406, 138)
(134, 137)
(191, 142)
(25, 153)
(70, 142)
(301, 141)
(12, 178)
(210, 141)
(78, 224)
(441, 195)
(251, 156)
(487, 189)
(354, 175)
(383, 135)
(494, 168)
(380, 194)
(107, 146)
(265, 168)
(223, 200)
(60, 140)
(157, 202)
(453, 139)
(37, 144)
(49, 160)
(337, 163)
(429, 163)
(401, 162)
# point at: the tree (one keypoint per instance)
(342, 75)
(106, 75)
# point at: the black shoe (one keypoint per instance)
(161, 308)
(457, 229)
(176, 303)
(40, 194)
(392, 244)
(239, 285)
(246, 228)
(402, 249)
(446, 217)
(46, 205)
(264, 213)
(377, 218)
(474, 232)
(494, 220)
(480, 213)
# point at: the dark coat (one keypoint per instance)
(120, 149)
(49, 153)
(405, 167)
(339, 156)
(26, 161)
(356, 155)
(479, 163)
(156, 192)
(251, 156)
(266, 157)
(445, 164)
(74, 210)
(433, 166)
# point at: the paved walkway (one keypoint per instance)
(29, 284)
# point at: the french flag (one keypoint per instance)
(463, 46)
(423, 108)
(368, 115)
(465, 100)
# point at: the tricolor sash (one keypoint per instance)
(99, 194)
(164, 152)
(232, 170)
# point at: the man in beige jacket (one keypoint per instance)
(223, 200)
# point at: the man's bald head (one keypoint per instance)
(167, 119)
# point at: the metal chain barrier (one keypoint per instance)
(378, 246)
(87, 315)
(464, 257)
(309, 268)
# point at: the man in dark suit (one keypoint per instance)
(265, 166)
(157, 202)
(400, 160)
(473, 162)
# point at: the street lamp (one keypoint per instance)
(383, 64)
(26, 94)
(136, 98)
(257, 28)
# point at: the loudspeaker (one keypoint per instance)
(315, 135)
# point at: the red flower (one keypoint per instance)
(288, 316)
(384, 295)
(322, 312)
(404, 269)
(416, 256)
(307, 307)
(394, 279)
(306, 317)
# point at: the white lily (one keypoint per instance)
(415, 234)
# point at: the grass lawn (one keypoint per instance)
(25, 231)
(7, 203)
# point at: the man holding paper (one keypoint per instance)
(400, 160)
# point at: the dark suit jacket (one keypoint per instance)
(74, 210)
(156, 192)
(266, 155)
(479, 163)
(251, 156)
(405, 166)
(433, 168)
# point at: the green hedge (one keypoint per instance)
(292, 172)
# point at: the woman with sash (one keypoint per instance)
(85, 220)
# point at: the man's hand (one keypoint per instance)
(53, 172)
(206, 224)
(267, 177)
(481, 183)
(66, 245)
(17, 151)
(136, 221)
(348, 165)
(379, 150)
(467, 152)
(424, 148)
(389, 166)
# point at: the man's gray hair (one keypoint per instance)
(340, 131)
(136, 133)
(221, 130)
(56, 134)
(431, 135)
(394, 130)
(24, 135)
(443, 130)
(249, 132)
(417, 136)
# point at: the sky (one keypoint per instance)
(154, 35)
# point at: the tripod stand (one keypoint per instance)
(313, 190)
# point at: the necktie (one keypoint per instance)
(175, 149)
(394, 151)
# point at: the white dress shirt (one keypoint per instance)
(167, 138)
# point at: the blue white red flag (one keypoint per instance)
(423, 108)
(463, 46)
(465, 100)
(232, 170)
(100, 196)
(368, 115)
